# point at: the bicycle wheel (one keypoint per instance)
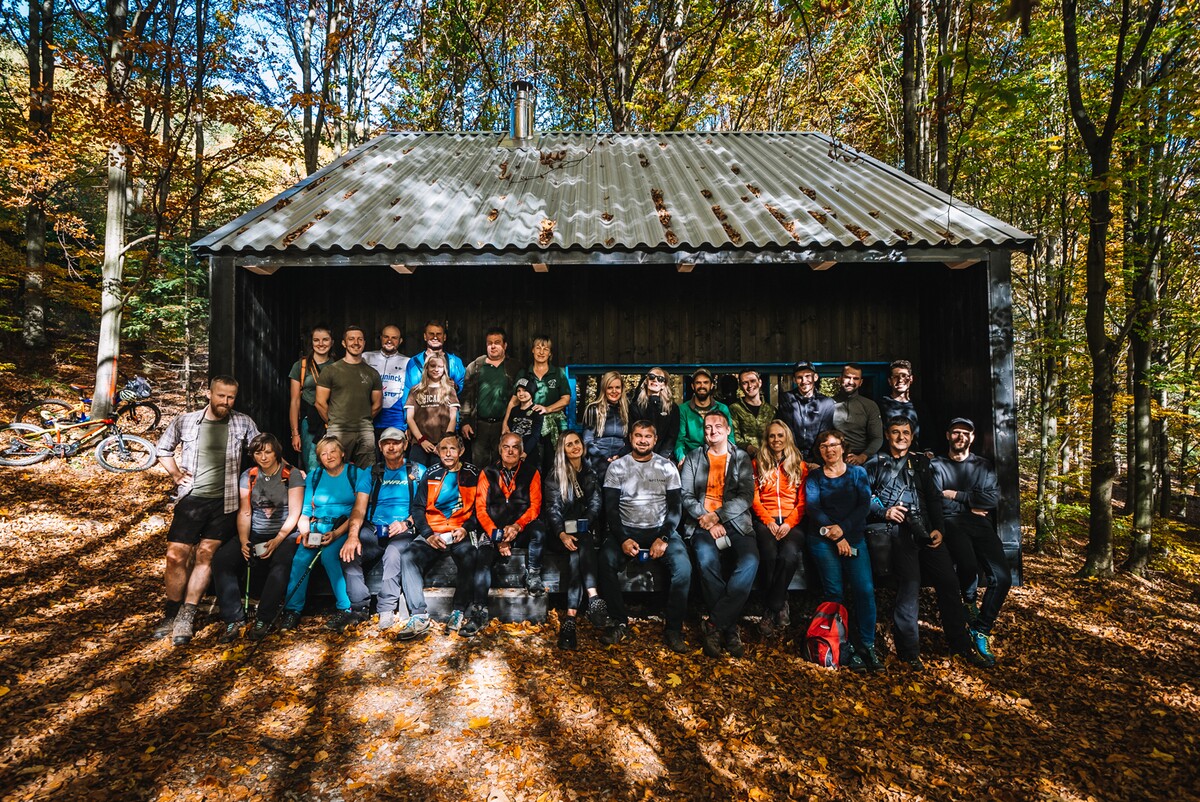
(140, 417)
(45, 410)
(126, 453)
(22, 444)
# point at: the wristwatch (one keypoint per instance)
(824, 531)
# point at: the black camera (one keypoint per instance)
(916, 530)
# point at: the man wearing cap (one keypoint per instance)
(487, 388)
(805, 411)
(857, 417)
(349, 396)
(970, 496)
(381, 525)
(691, 415)
(391, 365)
(751, 412)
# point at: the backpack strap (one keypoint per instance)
(253, 478)
(376, 484)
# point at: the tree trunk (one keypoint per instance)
(112, 295)
(309, 134)
(914, 86)
(40, 57)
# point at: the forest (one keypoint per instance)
(132, 128)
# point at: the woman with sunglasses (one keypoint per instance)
(652, 401)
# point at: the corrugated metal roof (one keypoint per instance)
(439, 193)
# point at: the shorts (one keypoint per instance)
(201, 518)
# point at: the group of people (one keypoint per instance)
(408, 460)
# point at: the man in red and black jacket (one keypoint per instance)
(508, 501)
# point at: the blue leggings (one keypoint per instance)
(298, 581)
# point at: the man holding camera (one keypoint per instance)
(508, 502)
(905, 503)
(718, 491)
(643, 498)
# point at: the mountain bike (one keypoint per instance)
(116, 450)
(134, 413)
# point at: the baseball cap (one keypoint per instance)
(391, 433)
(702, 372)
(805, 366)
(961, 423)
(523, 384)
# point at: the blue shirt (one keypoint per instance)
(328, 497)
(416, 366)
(395, 494)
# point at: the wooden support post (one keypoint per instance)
(222, 327)
(1004, 404)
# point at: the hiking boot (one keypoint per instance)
(163, 627)
(871, 658)
(766, 624)
(361, 614)
(971, 611)
(731, 641)
(784, 617)
(340, 620)
(568, 637)
(617, 633)
(983, 644)
(387, 618)
(597, 612)
(477, 620)
(534, 583)
(289, 620)
(454, 622)
(972, 657)
(260, 630)
(675, 642)
(184, 627)
(913, 663)
(415, 627)
(710, 641)
(233, 630)
(853, 661)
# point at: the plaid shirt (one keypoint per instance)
(185, 430)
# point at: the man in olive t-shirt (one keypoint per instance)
(488, 388)
(349, 396)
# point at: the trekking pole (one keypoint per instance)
(246, 600)
(282, 607)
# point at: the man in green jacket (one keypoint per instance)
(691, 414)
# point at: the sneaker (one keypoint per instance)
(709, 639)
(475, 622)
(766, 624)
(387, 618)
(163, 627)
(983, 644)
(340, 620)
(617, 633)
(567, 634)
(971, 611)
(675, 642)
(534, 583)
(731, 641)
(872, 659)
(260, 630)
(415, 627)
(597, 612)
(289, 620)
(184, 627)
(972, 657)
(233, 630)
(454, 622)
(361, 614)
(784, 617)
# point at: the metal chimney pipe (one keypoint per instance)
(520, 125)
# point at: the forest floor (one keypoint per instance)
(1096, 695)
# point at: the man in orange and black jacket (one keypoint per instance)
(508, 503)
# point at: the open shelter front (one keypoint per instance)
(634, 250)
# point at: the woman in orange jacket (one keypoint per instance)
(779, 474)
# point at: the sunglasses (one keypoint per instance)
(654, 377)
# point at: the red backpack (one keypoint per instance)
(827, 641)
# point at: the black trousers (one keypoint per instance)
(910, 565)
(581, 566)
(229, 572)
(976, 545)
(777, 562)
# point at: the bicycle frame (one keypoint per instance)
(96, 429)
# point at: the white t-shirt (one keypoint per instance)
(644, 487)
(391, 370)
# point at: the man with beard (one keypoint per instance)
(970, 493)
(805, 411)
(857, 418)
(751, 412)
(391, 365)
(349, 396)
(213, 442)
(899, 400)
(905, 503)
(434, 335)
(691, 415)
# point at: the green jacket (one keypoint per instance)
(746, 427)
(691, 426)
